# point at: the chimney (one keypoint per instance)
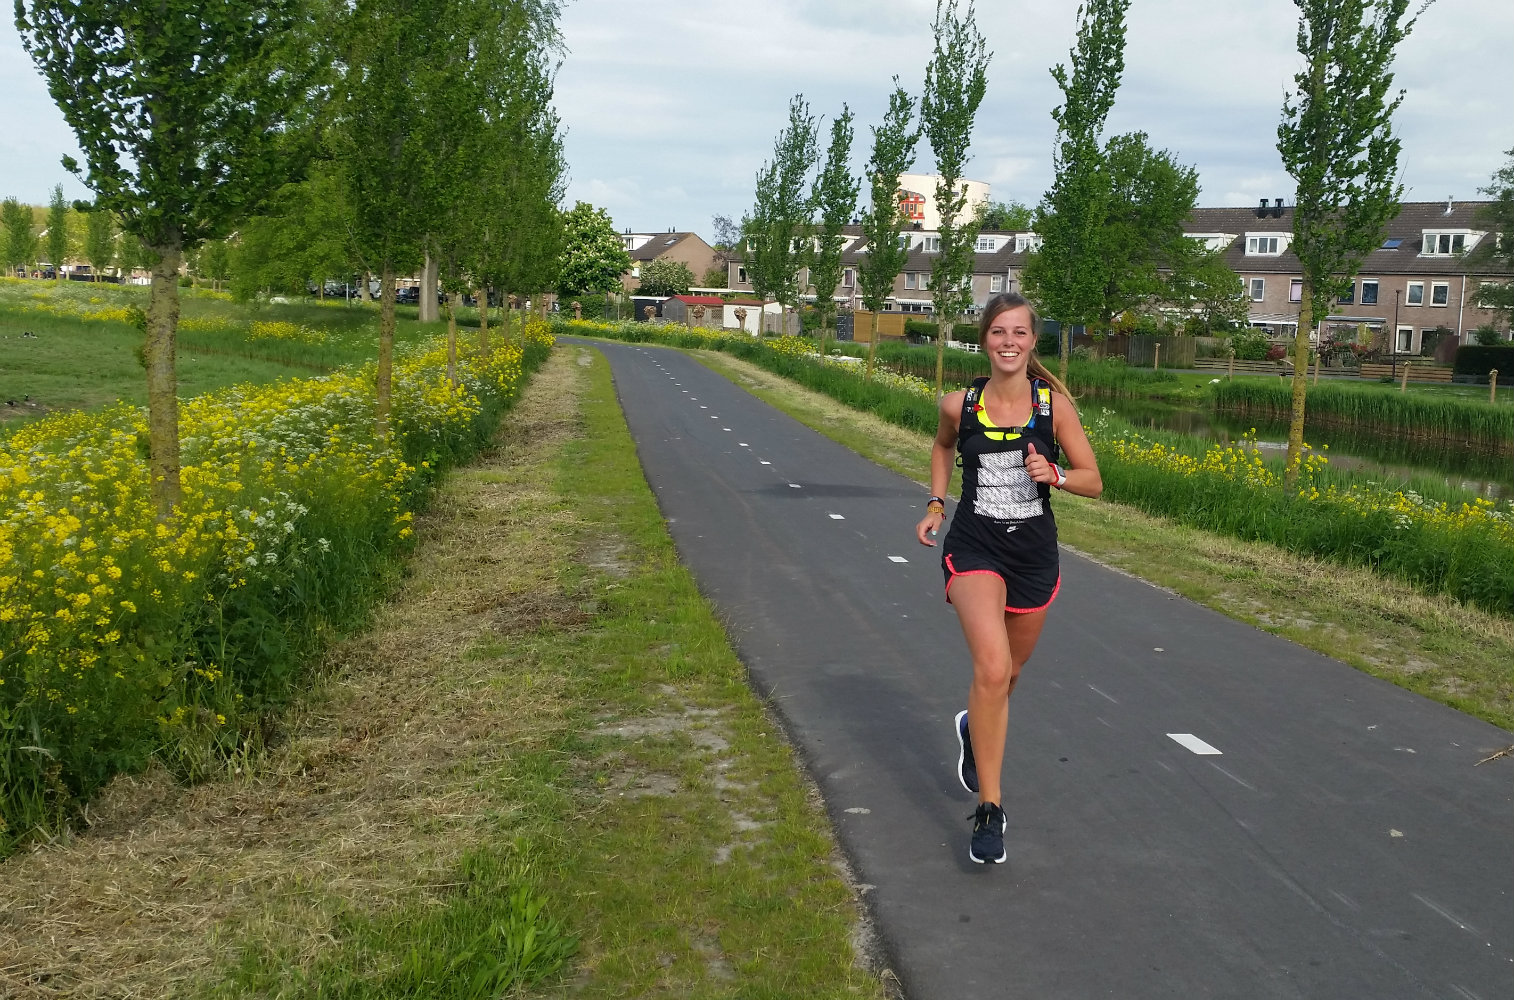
(1277, 208)
(1261, 210)
(1449, 206)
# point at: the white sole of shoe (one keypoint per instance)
(962, 752)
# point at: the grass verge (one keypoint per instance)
(1431, 645)
(541, 771)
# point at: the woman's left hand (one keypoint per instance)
(1039, 467)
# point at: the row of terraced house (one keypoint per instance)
(1418, 282)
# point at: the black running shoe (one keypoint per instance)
(989, 823)
(967, 767)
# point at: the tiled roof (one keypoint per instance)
(659, 244)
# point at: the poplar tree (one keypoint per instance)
(100, 241)
(777, 232)
(955, 81)
(1336, 140)
(1064, 276)
(893, 153)
(1496, 250)
(835, 200)
(57, 231)
(20, 243)
(184, 113)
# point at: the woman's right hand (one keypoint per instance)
(929, 525)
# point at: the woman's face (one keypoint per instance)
(1009, 341)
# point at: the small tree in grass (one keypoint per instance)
(665, 277)
(1336, 140)
(100, 241)
(20, 238)
(893, 153)
(776, 233)
(955, 81)
(835, 199)
(57, 231)
(185, 114)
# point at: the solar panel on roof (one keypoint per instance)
(1392, 244)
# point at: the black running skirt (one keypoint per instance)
(1026, 589)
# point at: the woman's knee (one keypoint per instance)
(995, 675)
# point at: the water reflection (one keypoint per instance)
(1490, 475)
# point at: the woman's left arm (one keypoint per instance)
(1082, 471)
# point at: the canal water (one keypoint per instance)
(1487, 474)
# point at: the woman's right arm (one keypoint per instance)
(942, 453)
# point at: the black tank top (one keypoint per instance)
(1003, 510)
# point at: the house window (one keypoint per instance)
(1262, 246)
(1443, 244)
(1440, 293)
(909, 279)
(986, 244)
(1416, 294)
(636, 271)
(904, 241)
(1369, 293)
(933, 244)
(1349, 298)
(1405, 344)
(1027, 241)
(848, 277)
(996, 283)
(925, 280)
(1258, 289)
(741, 276)
(1296, 290)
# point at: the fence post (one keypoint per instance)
(1404, 385)
(1230, 374)
(1156, 356)
(1492, 385)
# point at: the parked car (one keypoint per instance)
(409, 296)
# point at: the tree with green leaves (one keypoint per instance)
(893, 153)
(955, 80)
(1496, 250)
(19, 245)
(213, 260)
(776, 233)
(1150, 196)
(665, 277)
(100, 241)
(1063, 277)
(594, 255)
(299, 239)
(1336, 140)
(1005, 216)
(57, 231)
(1199, 283)
(835, 200)
(187, 116)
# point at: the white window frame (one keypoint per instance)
(1399, 347)
(1442, 287)
(1266, 244)
(1258, 289)
(1444, 242)
(848, 277)
(1295, 289)
(932, 244)
(996, 283)
(1376, 291)
(904, 241)
(1409, 293)
(635, 270)
(1027, 241)
(740, 275)
(986, 244)
(910, 278)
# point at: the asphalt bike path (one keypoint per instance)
(1196, 808)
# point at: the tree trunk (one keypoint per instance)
(1064, 349)
(454, 300)
(1300, 380)
(427, 311)
(386, 352)
(872, 346)
(162, 379)
(363, 294)
(481, 297)
(943, 324)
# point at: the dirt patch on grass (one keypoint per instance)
(369, 802)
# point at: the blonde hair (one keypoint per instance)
(1014, 300)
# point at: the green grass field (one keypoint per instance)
(70, 346)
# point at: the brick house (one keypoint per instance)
(685, 248)
(1416, 282)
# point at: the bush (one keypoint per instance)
(1487, 335)
(1049, 345)
(1477, 359)
(963, 333)
(1249, 345)
(1276, 352)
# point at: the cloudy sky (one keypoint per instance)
(672, 105)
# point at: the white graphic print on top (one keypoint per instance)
(1005, 490)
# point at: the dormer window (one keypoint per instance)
(1447, 244)
(933, 244)
(1266, 244)
(986, 244)
(1027, 241)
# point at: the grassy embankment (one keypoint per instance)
(516, 744)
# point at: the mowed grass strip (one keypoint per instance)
(1432, 645)
(541, 773)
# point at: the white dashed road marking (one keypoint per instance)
(1101, 694)
(743, 444)
(795, 486)
(1193, 743)
(897, 559)
(1443, 912)
(838, 517)
(764, 462)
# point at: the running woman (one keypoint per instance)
(1000, 555)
